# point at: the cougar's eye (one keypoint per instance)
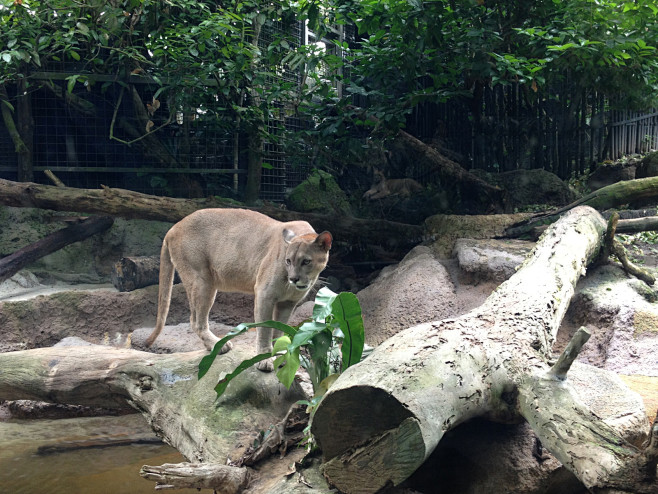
(306, 262)
(288, 262)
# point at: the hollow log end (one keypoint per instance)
(366, 448)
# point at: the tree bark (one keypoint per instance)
(383, 417)
(22, 146)
(131, 273)
(390, 235)
(13, 263)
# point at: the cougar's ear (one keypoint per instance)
(288, 235)
(324, 240)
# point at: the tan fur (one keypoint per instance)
(383, 187)
(236, 250)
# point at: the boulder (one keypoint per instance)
(530, 187)
(648, 166)
(611, 173)
(489, 259)
(319, 193)
(418, 289)
(622, 316)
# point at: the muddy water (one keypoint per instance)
(71, 456)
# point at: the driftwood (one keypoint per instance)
(221, 478)
(389, 235)
(13, 263)
(613, 246)
(383, 417)
(611, 196)
(165, 389)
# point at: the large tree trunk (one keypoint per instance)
(389, 235)
(21, 133)
(383, 417)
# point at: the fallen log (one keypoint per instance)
(611, 196)
(13, 263)
(383, 417)
(131, 273)
(222, 478)
(473, 186)
(389, 235)
(165, 389)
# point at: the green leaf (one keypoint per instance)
(323, 301)
(74, 55)
(281, 344)
(223, 383)
(71, 83)
(7, 104)
(287, 365)
(307, 331)
(6, 57)
(347, 313)
(207, 361)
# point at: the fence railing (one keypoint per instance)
(632, 132)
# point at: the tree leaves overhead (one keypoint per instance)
(404, 53)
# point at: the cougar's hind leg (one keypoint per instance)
(264, 309)
(201, 295)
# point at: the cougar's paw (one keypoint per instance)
(226, 347)
(266, 365)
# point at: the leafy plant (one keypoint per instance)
(325, 345)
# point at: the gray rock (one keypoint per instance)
(494, 260)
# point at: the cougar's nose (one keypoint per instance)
(294, 279)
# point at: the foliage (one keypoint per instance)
(202, 60)
(333, 339)
(210, 59)
(409, 53)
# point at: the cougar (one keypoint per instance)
(237, 250)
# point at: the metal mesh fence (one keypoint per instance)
(96, 136)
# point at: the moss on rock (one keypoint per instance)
(319, 193)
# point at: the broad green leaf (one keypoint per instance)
(307, 331)
(207, 361)
(347, 313)
(281, 344)
(287, 365)
(323, 301)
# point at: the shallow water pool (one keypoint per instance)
(70, 456)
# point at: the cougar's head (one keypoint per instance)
(306, 257)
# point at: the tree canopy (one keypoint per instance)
(213, 59)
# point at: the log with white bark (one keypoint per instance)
(165, 389)
(383, 417)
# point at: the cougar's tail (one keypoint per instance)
(164, 291)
